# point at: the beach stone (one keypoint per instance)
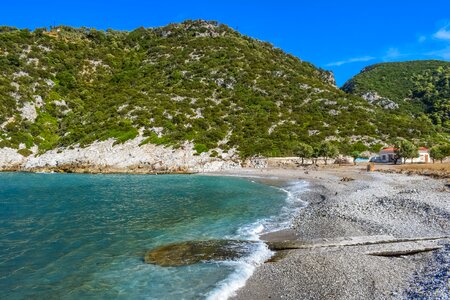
(346, 179)
(192, 252)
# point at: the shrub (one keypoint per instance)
(200, 148)
(25, 152)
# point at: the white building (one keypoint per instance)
(387, 155)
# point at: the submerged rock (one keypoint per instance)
(192, 252)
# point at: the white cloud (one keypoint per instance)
(442, 53)
(442, 34)
(350, 60)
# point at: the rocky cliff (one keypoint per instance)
(129, 157)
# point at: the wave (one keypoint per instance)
(245, 267)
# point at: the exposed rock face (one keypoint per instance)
(28, 111)
(374, 98)
(192, 252)
(328, 77)
(199, 28)
(106, 157)
(10, 159)
(256, 162)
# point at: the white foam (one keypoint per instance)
(293, 204)
(245, 267)
(250, 232)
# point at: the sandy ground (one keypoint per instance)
(370, 207)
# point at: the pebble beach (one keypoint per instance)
(368, 235)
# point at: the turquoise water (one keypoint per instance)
(78, 236)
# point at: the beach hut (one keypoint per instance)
(387, 155)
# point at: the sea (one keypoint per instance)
(84, 236)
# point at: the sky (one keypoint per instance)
(342, 36)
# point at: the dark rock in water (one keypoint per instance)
(191, 252)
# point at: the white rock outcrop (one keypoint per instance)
(375, 98)
(9, 158)
(28, 111)
(106, 156)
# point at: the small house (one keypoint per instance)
(387, 155)
(424, 155)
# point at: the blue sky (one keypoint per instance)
(342, 36)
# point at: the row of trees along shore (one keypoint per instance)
(440, 152)
(404, 149)
(325, 149)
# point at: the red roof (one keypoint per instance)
(389, 149)
(393, 149)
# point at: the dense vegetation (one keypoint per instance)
(195, 81)
(432, 89)
(418, 87)
(440, 152)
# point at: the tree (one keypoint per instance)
(316, 154)
(304, 151)
(405, 149)
(440, 152)
(436, 153)
(355, 155)
(446, 149)
(328, 150)
(359, 147)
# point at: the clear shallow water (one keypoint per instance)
(84, 236)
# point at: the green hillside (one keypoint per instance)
(195, 81)
(416, 86)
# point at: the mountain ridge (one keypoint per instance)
(198, 81)
(404, 84)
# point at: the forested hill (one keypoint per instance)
(194, 81)
(415, 86)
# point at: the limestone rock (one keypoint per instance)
(328, 77)
(129, 157)
(374, 98)
(192, 252)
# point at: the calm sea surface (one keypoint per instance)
(76, 236)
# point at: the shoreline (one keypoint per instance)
(371, 207)
(279, 222)
(386, 234)
(97, 171)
